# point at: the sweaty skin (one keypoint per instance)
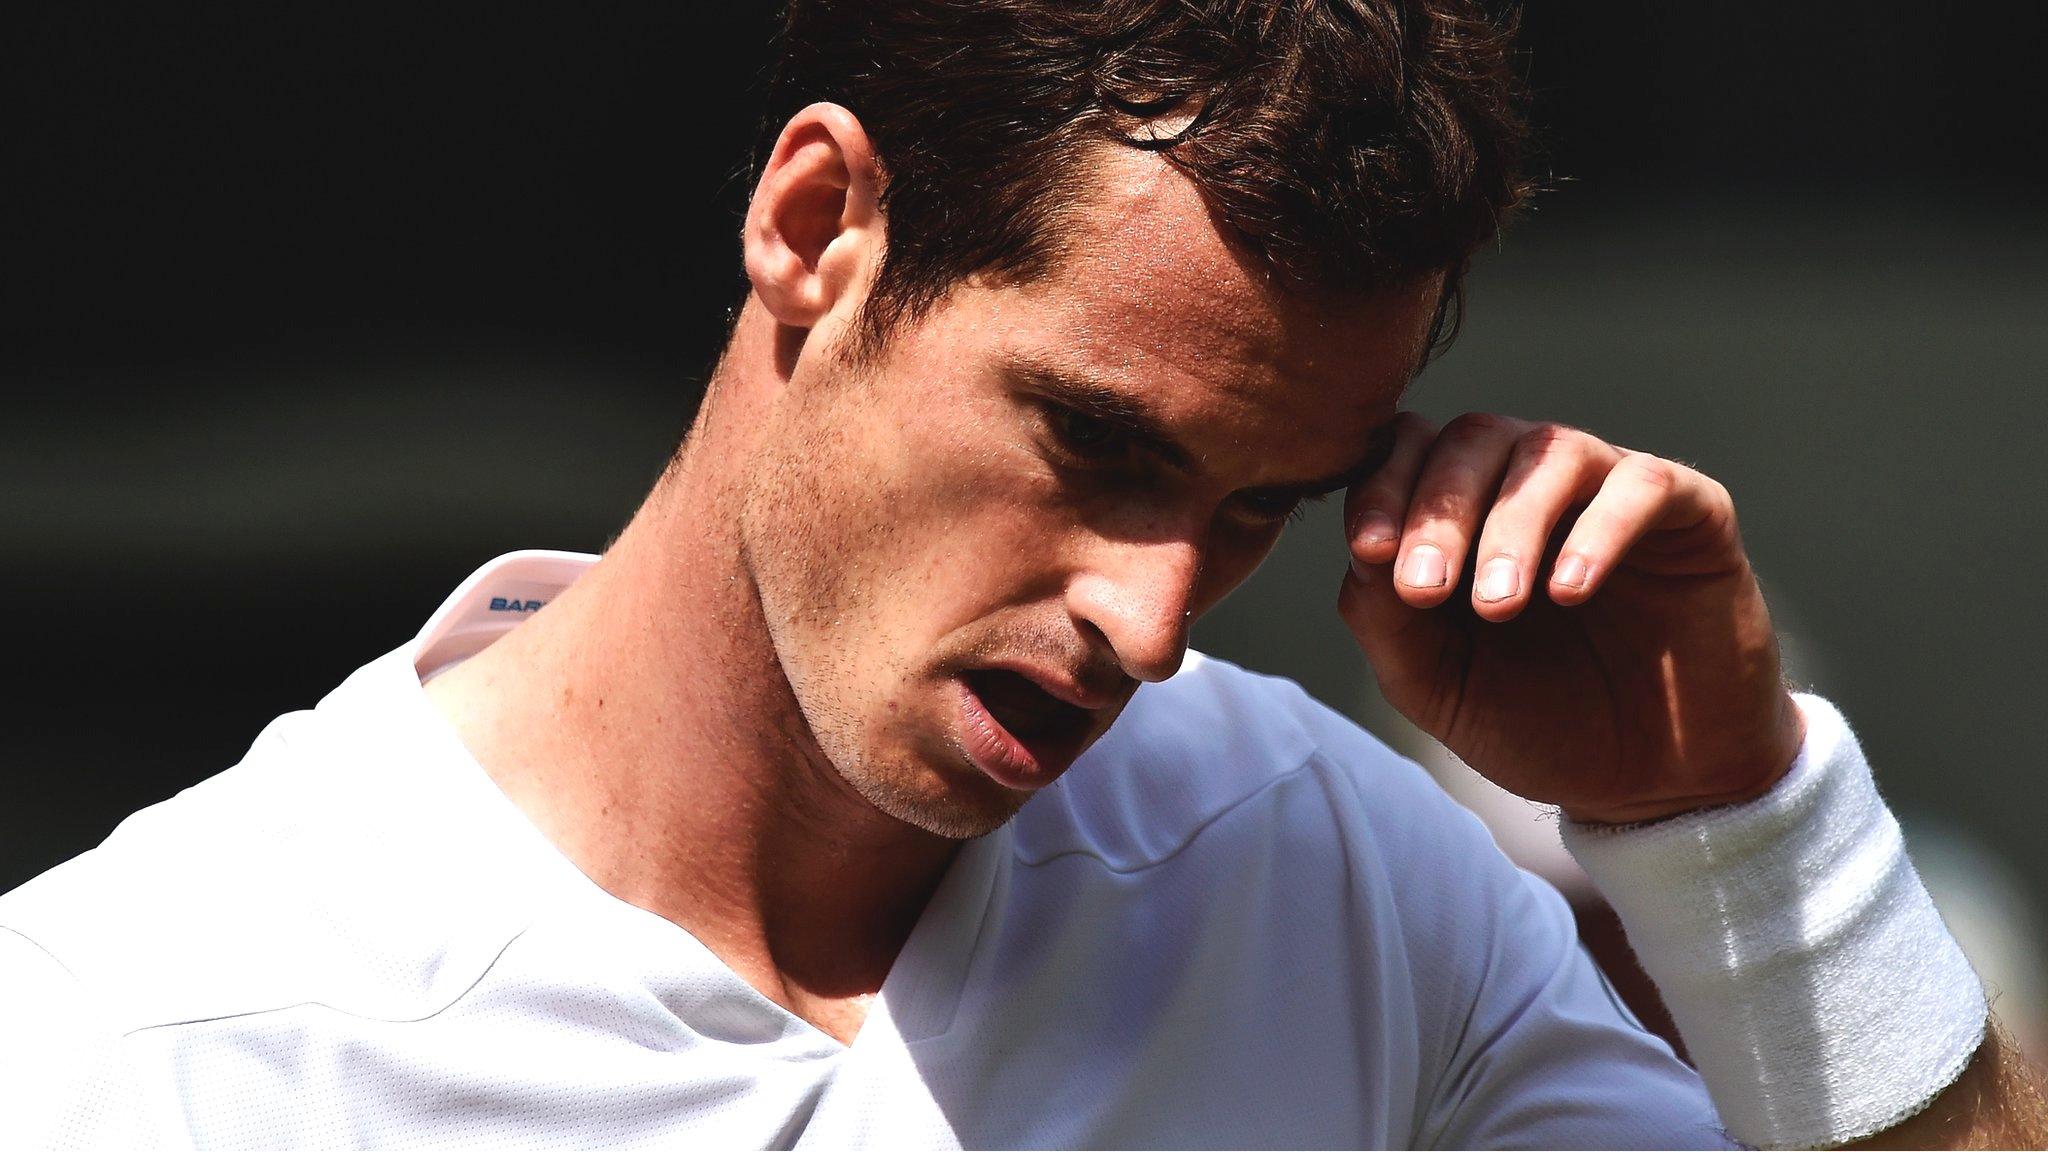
(1627, 672)
(748, 717)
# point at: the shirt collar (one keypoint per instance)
(922, 993)
(494, 600)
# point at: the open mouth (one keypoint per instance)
(1034, 735)
(1028, 711)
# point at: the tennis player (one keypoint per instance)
(865, 792)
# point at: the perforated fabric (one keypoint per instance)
(1238, 921)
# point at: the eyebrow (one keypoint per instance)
(1130, 415)
(1098, 400)
(1378, 448)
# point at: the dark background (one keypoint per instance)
(307, 312)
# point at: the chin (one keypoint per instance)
(959, 804)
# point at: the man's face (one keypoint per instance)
(971, 549)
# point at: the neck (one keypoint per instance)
(644, 724)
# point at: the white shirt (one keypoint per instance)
(1238, 920)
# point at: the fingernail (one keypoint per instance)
(1425, 567)
(1498, 580)
(1571, 572)
(1374, 527)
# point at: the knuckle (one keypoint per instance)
(1402, 446)
(1457, 478)
(1651, 471)
(1410, 425)
(1477, 427)
(1441, 506)
(1720, 505)
(1551, 441)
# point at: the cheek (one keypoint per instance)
(888, 525)
(807, 523)
(976, 521)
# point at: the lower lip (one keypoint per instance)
(1006, 759)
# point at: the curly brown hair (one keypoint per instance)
(1349, 144)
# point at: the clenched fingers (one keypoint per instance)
(1375, 507)
(1640, 495)
(1460, 478)
(1486, 496)
(1550, 469)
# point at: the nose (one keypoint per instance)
(1140, 596)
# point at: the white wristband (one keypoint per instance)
(1817, 989)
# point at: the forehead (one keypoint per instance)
(1148, 289)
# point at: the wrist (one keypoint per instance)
(1781, 752)
(1815, 985)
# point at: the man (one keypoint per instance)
(799, 817)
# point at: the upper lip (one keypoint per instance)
(1066, 689)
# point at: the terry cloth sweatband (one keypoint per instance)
(1821, 996)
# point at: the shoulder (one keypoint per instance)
(63, 1082)
(1193, 752)
(305, 873)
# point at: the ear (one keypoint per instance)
(814, 224)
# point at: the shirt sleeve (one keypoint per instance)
(1549, 1057)
(64, 1080)
(1521, 1041)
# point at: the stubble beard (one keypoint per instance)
(804, 594)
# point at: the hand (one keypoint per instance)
(1576, 621)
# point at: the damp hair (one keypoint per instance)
(1348, 145)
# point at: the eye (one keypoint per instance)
(1085, 438)
(1276, 509)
